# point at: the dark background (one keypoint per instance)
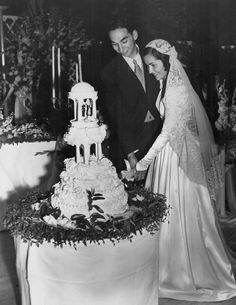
(210, 25)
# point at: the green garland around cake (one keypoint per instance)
(36, 221)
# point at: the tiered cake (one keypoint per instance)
(90, 172)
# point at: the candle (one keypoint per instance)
(80, 68)
(53, 73)
(2, 41)
(76, 73)
(59, 72)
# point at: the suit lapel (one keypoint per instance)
(125, 75)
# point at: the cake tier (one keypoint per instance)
(85, 133)
(71, 193)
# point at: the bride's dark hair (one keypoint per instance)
(164, 58)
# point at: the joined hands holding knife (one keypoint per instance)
(133, 173)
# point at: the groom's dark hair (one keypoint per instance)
(121, 21)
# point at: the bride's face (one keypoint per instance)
(155, 67)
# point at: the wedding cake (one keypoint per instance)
(89, 182)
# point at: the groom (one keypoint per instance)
(128, 102)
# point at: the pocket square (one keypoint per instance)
(149, 117)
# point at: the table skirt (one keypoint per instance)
(91, 275)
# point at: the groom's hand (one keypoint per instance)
(132, 160)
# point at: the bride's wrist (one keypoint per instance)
(141, 167)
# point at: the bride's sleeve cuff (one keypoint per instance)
(141, 167)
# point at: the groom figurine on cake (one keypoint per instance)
(129, 96)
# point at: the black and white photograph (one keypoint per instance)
(117, 152)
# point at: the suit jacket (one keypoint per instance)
(125, 106)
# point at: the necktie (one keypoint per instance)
(139, 73)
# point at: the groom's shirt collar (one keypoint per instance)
(137, 58)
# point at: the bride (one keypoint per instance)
(193, 262)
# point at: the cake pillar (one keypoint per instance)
(79, 110)
(86, 153)
(99, 151)
(77, 156)
(74, 109)
(94, 109)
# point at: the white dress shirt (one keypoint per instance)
(131, 63)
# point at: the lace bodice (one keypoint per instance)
(177, 114)
(180, 130)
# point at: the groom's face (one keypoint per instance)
(124, 42)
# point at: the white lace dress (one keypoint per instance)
(193, 264)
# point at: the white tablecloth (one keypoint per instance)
(24, 166)
(124, 274)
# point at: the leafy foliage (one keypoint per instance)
(26, 218)
(28, 46)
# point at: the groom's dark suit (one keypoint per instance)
(127, 108)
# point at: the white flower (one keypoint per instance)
(139, 197)
(35, 206)
(66, 222)
(50, 220)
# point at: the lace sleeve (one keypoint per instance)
(176, 116)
